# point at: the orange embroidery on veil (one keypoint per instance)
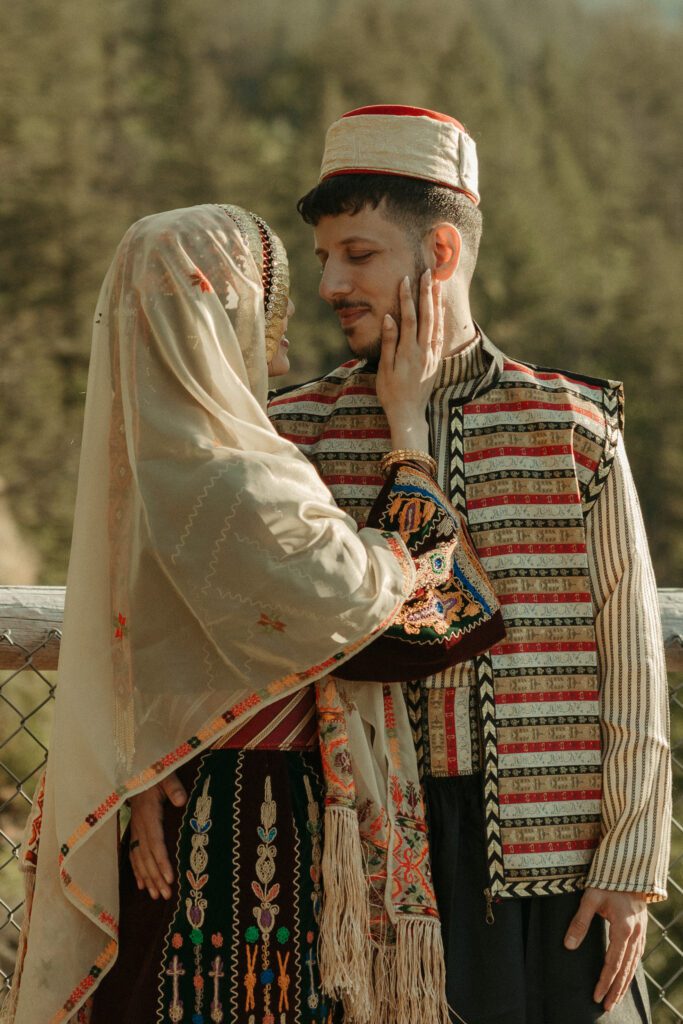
(120, 627)
(198, 278)
(269, 623)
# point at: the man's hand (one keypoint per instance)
(148, 854)
(626, 913)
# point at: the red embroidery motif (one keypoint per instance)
(120, 627)
(201, 280)
(269, 623)
(31, 851)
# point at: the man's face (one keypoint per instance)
(364, 256)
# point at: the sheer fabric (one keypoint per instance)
(208, 559)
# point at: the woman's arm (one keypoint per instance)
(453, 613)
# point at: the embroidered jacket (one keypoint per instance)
(525, 454)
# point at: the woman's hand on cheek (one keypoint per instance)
(409, 363)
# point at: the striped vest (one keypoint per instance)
(523, 453)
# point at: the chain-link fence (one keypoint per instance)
(29, 647)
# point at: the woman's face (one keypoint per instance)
(279, 364)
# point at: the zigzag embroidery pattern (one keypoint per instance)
(196, 508)
(592, 493)
(235, 980)
(220, 540)
(494, 851)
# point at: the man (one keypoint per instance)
(546, 762)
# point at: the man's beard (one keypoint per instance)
(372, 350)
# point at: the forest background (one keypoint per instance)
(112, 111)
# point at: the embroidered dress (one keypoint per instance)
(241, 939)
(238, 940)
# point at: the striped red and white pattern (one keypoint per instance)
(287, 724)
(572, 705)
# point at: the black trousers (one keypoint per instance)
(515, 970)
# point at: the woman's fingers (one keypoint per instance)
(143, 868)
(148, 854)
(408, 317)
(173, 788)
(409, 362)
(148, 870)
(437, 334)
(418, 331)
(143, 877)
(134, 864)
(426, 318)
(389, 340)
(156, 858)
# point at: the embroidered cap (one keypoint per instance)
(409, 141)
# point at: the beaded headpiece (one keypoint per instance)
(271, 261)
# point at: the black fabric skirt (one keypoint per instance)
(515, 970)
(237, 940)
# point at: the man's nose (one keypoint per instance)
(334, 283)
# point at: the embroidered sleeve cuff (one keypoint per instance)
(404, 559)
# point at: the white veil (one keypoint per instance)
(210, 572)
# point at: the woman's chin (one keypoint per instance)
(278, 366)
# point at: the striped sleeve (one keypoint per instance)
(633, 853)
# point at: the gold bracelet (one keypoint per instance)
(408, 455)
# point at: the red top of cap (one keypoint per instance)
(397, 110)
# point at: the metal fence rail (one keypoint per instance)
(30, 621)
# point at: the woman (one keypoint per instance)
(211, 579)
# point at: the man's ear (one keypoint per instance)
(445, 243)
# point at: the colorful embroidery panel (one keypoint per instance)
(241, 947)
(452, 596)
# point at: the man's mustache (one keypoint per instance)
(347, 304)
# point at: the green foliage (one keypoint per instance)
(107, 114)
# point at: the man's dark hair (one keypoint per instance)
(414, 204)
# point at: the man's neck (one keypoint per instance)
(459, 329)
